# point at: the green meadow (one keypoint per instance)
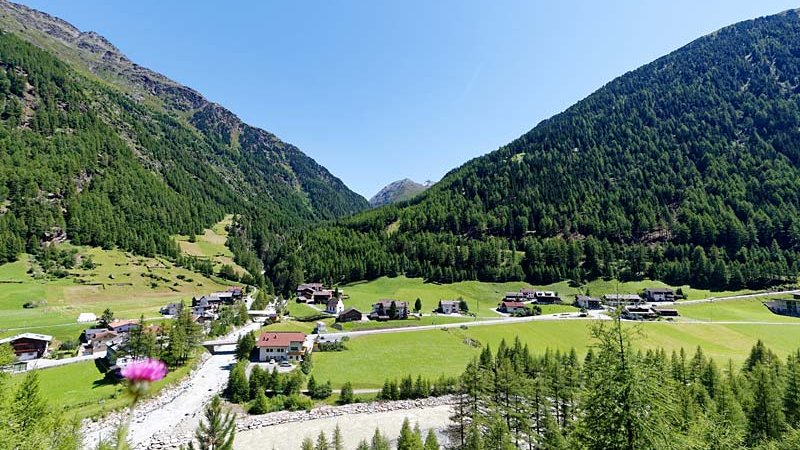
(482, 297)
(371, 359)
(211, 245)
(740, 310)
(130, 285)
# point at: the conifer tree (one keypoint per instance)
(218, 429)
(238, 385)
(338, 441)
(379, 442)
(431, 443)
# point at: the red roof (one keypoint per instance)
(280, 338)
(513, 304)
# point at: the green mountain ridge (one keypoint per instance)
(684, 170)
(114, 154)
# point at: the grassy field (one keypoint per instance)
(482, 297)
(120, 281)
(80, 389)
(130, 285)
(371, 359)
(211, 245)
(743, 310)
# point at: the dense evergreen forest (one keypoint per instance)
(618, 398)
(684, 170)
(85, 161)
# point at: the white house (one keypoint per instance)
(282, 346)
(335, 306)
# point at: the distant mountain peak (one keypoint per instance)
(399, 191)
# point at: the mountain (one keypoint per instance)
(114, 154)
(686, 170)
(398, 191)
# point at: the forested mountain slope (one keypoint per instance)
(117, 155)
(686, 169)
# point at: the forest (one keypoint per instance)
(684, 170)
(618, 398)
(85, 161)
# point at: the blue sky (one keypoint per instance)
(378, 91)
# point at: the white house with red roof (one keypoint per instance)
(283, 346)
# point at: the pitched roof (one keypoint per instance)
(333, 302)
(387, 303)
(279, 338)
(622, 297)
(34, 336)
(349, 310)
(660, 290)
(312, 286)
(513, 304)
(121, 323)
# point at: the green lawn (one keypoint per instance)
(371, 359)
(79, 389)
(743, 310)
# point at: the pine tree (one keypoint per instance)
(245, 345)
(346, 395)
(238, 385)
(338, 440)
(625, 401)
(322, 442)
(260, 404)
(766, 420)
(217, 431)
(431, 443)
(379, 442)
(408, 439)
(791, 396)
(28, 405)
(308, 444)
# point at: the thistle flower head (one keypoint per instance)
(147, 370)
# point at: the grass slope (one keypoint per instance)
(211, 245)
(130, 285)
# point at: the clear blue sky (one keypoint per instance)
(377, 91)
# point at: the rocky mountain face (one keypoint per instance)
(398, 191)
(259, 161)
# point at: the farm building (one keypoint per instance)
(28, 346)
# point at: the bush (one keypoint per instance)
(261, 404)
(346, 394)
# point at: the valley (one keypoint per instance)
(625, 274)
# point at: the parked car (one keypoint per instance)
(285, 364)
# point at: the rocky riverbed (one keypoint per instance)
(360, 420)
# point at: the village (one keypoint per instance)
(109, 339)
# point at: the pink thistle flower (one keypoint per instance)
(147, 370)
(140, 374)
